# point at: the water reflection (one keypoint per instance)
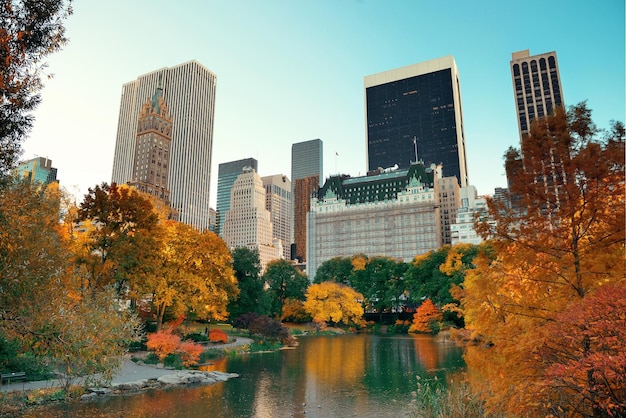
(356, 375)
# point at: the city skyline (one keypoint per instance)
(307, 83)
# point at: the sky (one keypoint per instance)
(292, 70)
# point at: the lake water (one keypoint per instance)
(325, 376)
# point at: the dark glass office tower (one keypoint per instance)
(413, 114)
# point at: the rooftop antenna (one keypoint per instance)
(415, 146)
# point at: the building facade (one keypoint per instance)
(306, 174)
(38, 169)
(189, 90)
(462, 230)
(278, 203)
(153, 146)
(248, 223)
(226, 175)
(449, 201)
(391, 213)
(537, 87)
(414, 114)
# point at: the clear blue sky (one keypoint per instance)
(289, 71)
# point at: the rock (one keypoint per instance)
(100, 391)
(87, 396)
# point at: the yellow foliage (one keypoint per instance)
(331, 301)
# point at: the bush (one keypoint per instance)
(173, 360)
(400, 327)
(217, 335)
(210, 354)
(163, 343)
(197, 337)
(244, 321)
(151, 358)
(269, 328)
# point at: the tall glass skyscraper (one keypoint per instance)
(189, 90)
(414, 114)
(226, 175)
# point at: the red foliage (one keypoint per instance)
(217, 335)
(587, 354)
(424, 316)
(189, 352)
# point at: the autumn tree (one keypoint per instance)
(44, 304)
(29, 32)
(247, 269)
(334, 302)
(193, 274)
(123, 235)
(561, 242)
(284, 281)
(426, 318)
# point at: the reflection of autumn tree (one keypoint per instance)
(427, 352)
(337, 361)
(563, 243)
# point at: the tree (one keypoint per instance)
(284, 282)
(561, 243)
(29, 32)
(194, 274)
(247, 269)
(586, 357)
(334, 302)
(426, 318)
(44, 305)
(337, 269)
(380, 282)
(124, 234)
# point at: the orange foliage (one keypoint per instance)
(189, 352)
(217, 335)
(163, 343)
(424, 316)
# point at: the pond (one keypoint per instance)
(325, 376)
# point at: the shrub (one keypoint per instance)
(189, 352)
(217, 335)
(173, 360)
(198, 337)
(151, 358)
(163, 343)
(269, 328)
(210, 354)
(244, 321)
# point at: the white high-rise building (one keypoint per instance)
(278, 203)
(189, 90)
(462, 230)
(248, 223)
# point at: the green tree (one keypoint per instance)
(284, 282)
(247, 268)
(562, 242)
(29, 32)
(381, 283)
(337, 269)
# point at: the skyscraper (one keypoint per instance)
(414, 114)
(306, 174)
(537, 86)
(247, 223)
(189, 90)
(278, 203)
(226, 175)
(152, 148)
